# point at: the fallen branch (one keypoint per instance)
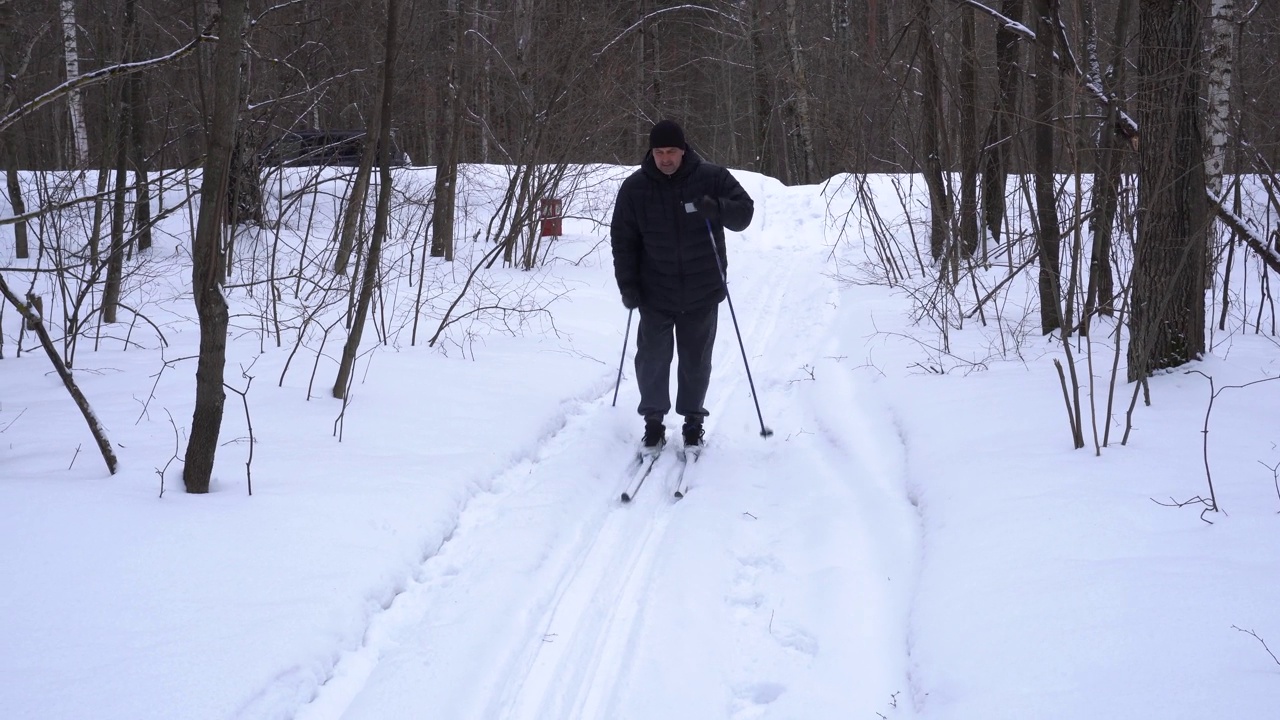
(1264, 642)
(1251, 238)
(34, 321)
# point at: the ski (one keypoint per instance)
(642, 467)
(682, 484)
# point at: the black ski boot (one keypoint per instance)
(693, 433)
(655, 435)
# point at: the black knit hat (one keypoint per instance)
(666, 133)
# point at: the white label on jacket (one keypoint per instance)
(689, 208)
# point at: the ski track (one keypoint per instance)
(586, 634)
(564, 619)
(583, 655)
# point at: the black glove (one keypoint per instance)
(630, 298)
(709, 208)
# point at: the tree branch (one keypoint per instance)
(96, 77)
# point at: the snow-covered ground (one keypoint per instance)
(917, 539)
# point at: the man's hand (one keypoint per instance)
(709, 208)
(631, 298)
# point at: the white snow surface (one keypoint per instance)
(917, 539)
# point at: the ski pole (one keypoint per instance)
(626, 337)
(764, 431)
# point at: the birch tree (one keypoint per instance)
(1221, 66)
(1221, 62)
(75, 101)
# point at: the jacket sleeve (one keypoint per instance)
(736, 206)
(624, 235)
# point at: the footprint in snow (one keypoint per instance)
(750, 699)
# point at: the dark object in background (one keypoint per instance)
(341, 148)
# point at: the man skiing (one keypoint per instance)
(669, 260)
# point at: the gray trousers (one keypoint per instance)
(692, 335)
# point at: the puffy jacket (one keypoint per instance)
(660, 243)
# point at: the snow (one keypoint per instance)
(910, 543)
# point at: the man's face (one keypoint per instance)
(668, 159)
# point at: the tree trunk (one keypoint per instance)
(1221, 57)
(761, 102)
(482, 25)
(9, 64)
(116, 253)
(353, 210)
(1222, 52)
(1049, 234)
(1112, 150)
(806, 168)
(75, 101)
(138, 163)
(649, 76)
(445, 189)
(116, 246)
(383, 209)
(206, 277)
(842, 35)
(969, 149)
(1000, 132)
(930, 142)
(1167, 320)
(9, 156)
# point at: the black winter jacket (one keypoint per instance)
(660, 243)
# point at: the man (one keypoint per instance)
(669, 260)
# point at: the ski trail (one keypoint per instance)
(465, 588)
(571, 668)
(586, 627)
(604, 610)
(791, 556)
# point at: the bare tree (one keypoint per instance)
(996, 150)
(1167, 320)
(804, 168)
(1048, 233)
(373, 261)
(449, 127)
(762, 93)
(206, 250)
(10, 67)
(969, 150)
(931, 143)
(1112, 150)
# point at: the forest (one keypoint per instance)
(1123, 151)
